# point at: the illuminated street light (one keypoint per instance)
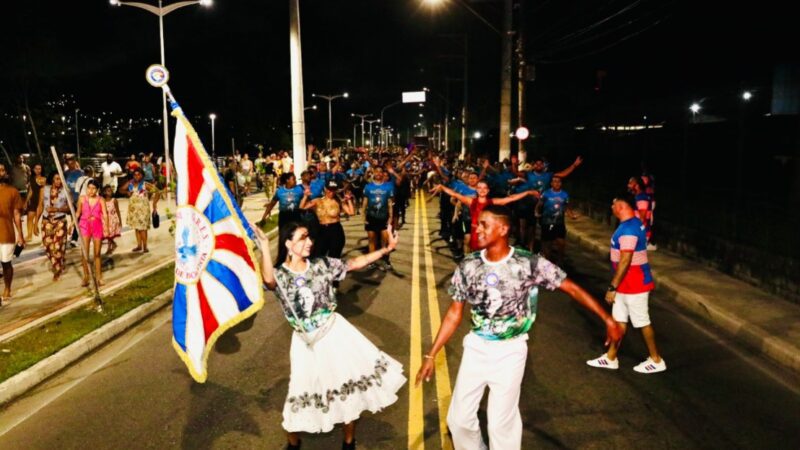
(330, 98)
(477, 135)
(162, 11)
(695, 108)
(213, 117)
(747, 95)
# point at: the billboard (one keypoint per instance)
(414, 97)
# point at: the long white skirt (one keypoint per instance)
(341, 376)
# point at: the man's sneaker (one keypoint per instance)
(371, 266)
(652, 247)
(650, 366)
(604, 363)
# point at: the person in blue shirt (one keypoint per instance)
(378, 198)
(536, 177)
(71, 176)
(288, 197)
(550, 210)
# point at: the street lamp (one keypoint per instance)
(383, 138)
(314, 107)
(362, 116)
(747, 95)
(695, 108)
(330, 99)
(77, 135)
(370, 122)
(162, 11)
(477, 135)
(213, 117)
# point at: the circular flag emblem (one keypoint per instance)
(492, 279)
(194, 242)
(300, 282)
(157, 75)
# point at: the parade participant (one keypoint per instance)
(355, 176)
(112, 227)
(551, 209)
(11, 206)
(330, 237)
(33, 201)
(629, 290)
(54, 223)
(477, 204)
(91, 215)
(501, 284)
(139, 215)
(336, 373)
(378, 197)
(288, 197)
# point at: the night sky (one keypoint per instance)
(233, 58)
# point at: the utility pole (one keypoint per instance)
(505, 85)
(296, 63)
(522, 78)
(464, 104)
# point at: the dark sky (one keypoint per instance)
(233, 58)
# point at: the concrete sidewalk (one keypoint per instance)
(768, 324)
(37, 298)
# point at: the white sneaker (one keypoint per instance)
(652, 247)
(604, 363)
(650, 366)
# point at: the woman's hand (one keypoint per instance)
(261, 236)
(393, 238)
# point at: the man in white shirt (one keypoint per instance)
(287, 162)
(111, 170)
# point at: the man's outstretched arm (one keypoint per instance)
(613, 332)
(452, 320)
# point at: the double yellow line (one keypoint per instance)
(416, 413)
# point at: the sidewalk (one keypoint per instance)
(36, 296)
(766, 323)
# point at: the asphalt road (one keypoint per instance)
(136, 393)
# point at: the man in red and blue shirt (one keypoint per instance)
(629, 290)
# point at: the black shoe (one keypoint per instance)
(350, 446)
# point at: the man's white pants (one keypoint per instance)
(499, 365)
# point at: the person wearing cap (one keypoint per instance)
(330, 236)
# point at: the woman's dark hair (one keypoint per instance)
(639, 181)
(285, 178)
(95, 183)
(139, 170)
(51, 176)
(286, 233)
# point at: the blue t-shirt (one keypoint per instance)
(289, 199)
(324, 176)
(538, 181)
(378, 196)
(317, 187)
(71, 179)
(553, 206)
(352, 173)
(498, 182)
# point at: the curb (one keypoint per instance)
(742, 331)
(44, 369)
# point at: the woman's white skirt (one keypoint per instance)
(341, 376)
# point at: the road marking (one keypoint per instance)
(416, 413)
(443, 390)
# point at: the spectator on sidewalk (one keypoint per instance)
(550, 210)
(54, 223)
(500, 285)
(112, 228)
(149, 170)
(91, 215)
(111, 172)
(33, 201)
(131, 165)
(246, 169)
(139, 209)
(20, 176)
(71, 177)
(644, 204)
(11, 206)
(629, 290)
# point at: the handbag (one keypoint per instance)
(156, 219)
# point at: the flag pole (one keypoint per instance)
(84, 251)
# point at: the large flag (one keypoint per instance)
(217, 280)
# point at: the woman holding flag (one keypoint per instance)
(336, 372)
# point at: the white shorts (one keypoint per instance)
(633, 306)
(6, 252)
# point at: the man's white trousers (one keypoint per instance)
(499, 365)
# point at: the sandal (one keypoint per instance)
(137, 250)
(85, 283)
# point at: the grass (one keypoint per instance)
(38, 343)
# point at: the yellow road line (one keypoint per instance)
(416, 413)
(443, 390)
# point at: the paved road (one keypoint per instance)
(135, 393)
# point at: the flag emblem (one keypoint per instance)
(217, 280)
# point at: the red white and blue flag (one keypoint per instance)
(217, 279)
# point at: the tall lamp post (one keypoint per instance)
(383, 138)
(162, 11)
(213, 118)
(330, 99)
(77, 135)
(363, 117)
(370, 122)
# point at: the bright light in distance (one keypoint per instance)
(747, 95)
(345, 95)
(477, 135)
(206, 2)
(114, 2)
(433, 3)
(212, 116)
(695, 108)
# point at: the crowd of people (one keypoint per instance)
(492, 215)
